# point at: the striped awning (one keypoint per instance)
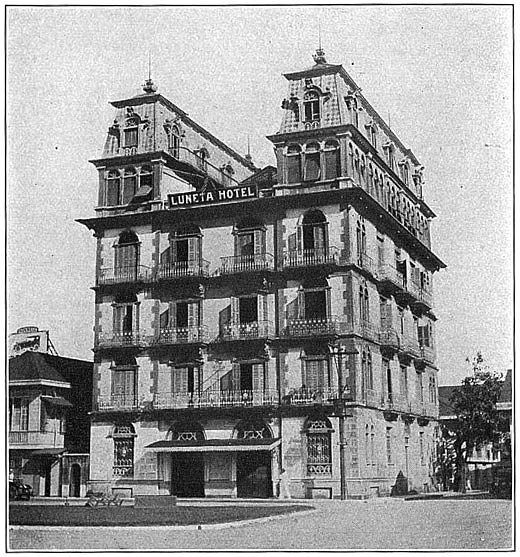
(214, 445)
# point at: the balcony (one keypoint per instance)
(391, 278)
(215, 398)
(427, 354)
(121, 340)
(370, 397)
(410, 347)
(430, 409)
(327, 326)
(310, 257)
(394, 402)
(363, 262)
(180, 269)
(246, 331)
(36, 439)
(246, 264)
(182, 335)
(124, 275)
(388, 338)
(307, 396)
(421, 297)
(126, 403)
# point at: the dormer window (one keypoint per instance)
(311, 106)
(131, 133)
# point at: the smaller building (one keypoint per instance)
(483, 460)
(49, 401)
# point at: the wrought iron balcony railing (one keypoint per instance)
(182, 335)
(306, 395)
(216, 398)
(122, 275)
(246, 331)
(310, 257)
(118, 402)
(430, 409)
(312, 327)
(176, 269)
(245, 263)
(363, 261)
(53, 439)
(120, 340)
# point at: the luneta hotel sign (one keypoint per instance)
(223, 195)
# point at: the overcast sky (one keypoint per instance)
(441, 74)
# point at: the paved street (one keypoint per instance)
(374, 524)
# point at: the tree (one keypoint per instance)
(477, 419)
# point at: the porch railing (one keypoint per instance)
(175, 269)
(311, 257)
(40, 438)
(245, 263)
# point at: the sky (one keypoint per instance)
(442, 76)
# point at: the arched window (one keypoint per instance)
(318, 432)
(129, 185)
(312, 166)
(311, 106)
(362, 170)
(294, 164)
(123, 436)
(186, 431)
(312, 234)
(126, 257)
(202, 159)
(332, 160)
(252, 429)
(131, 132)
(113, 195)
(174, 140)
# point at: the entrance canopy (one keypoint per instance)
(214, 445)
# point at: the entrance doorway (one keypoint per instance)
(254, 475)
(187, 475)
(75, 480)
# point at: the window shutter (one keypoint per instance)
(235, 310)
(165, 258)
(164, 319)
(312, 166)
(112, 192)
(196, 379)
(235, 377)
(299, 233)
(118, 320)
(294, 171)
(262, 307)
(291, 242)
(301, 303)
(319, 238)
(332, 166)
(193, 249)
(193, 314)
(258, 377)
(135, 321)
(173, 315)
(259, 242)
(129, 187)
(180, 380)
(173, 251)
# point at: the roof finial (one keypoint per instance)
(319, 57)
(149, 86)
(248, 156)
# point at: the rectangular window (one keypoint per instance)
(294, 169)
(185, 379)
(124, 319)
(316, 374)
(404, 382)
(124, 386)
(248, 310)
(19, 414)
(421, 448)
(312, 166)
(389, 445)
(130, 136)
(315, 304)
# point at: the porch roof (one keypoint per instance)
(214, 445)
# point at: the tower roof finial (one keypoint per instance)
(319, 57)
(149, 86)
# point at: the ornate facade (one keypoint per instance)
(249, 320)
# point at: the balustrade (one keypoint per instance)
(304, 395)
(246, 331)
(117, 402)
(312, 327)
(120, 275)
(246, 263)
(176, 269)
(182, 335)
(118, 340)
(216, 398)
(41, 438)
(311, 257)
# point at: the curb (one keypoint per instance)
(200, 527)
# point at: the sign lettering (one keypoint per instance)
(210, 197)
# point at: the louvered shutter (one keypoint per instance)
(193, 250)
(332, 167)
(118, 320)
(294, 171)
(258, 377)
(259, 241)
(196, 379)
(193, 314)
(301, 303)
(420, 335)
(129, 187)
(180, 380)
(299, 238)
(235, 310)
(291, 242)
(164, 319)
(235, 377)
(319, 238)
(165, 258)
